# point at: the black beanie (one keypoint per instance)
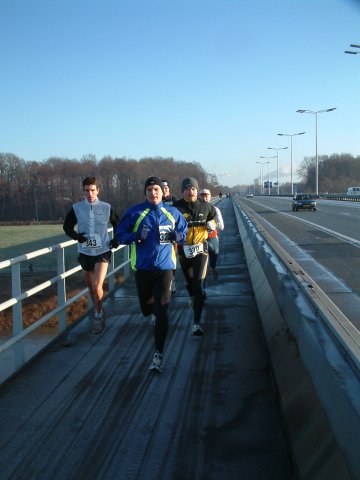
(189, 182)
(154, 181)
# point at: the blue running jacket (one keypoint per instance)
(152, 224)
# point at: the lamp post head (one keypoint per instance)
(317, 111)
(353, 45)
(278, 148)
(291, 135)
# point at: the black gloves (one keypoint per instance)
(175, 236)
(142, 234)
(113, 243)
(80, 238)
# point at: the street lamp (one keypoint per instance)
(277, 162)
(352, 51)
(291, 162)
(262, 174)
(269, 172)
(316, 148)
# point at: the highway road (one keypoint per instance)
(331, 235)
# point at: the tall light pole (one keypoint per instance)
(277, 163)
(262, 174)
(291, 135)
(269, 172)
(316, 146)
(264, 163)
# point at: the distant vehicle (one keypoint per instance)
(353, 192)
(303, 201)
(250, 195)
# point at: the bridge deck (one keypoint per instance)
(93, 410)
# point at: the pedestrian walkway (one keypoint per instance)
(93, 410)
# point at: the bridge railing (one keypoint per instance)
(19, 332)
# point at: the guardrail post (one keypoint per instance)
(17, 318)
(111, 278)
(111, 269)
(61, 288)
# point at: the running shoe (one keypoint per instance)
(196, 330)
(156, 361)
(98, 322)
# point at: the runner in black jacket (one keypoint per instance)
(193, 255)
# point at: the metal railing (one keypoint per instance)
(18, 296)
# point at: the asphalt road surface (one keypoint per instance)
(331, 234)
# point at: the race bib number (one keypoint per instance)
(94, 241)
(164, 231)
(193, 250)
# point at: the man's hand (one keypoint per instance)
(142, 234)
(175, 236)
(81, 238)
(113, 243)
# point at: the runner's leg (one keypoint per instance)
(145, 288)
(162, 295)
(199, 271)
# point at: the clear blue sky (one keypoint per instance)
(211, 81)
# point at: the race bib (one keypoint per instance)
(164, 231)
(94, 241)
(193, 250)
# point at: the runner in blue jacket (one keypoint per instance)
(152, 228)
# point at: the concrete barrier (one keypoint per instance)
(316, 375)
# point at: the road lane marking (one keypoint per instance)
(345, 238)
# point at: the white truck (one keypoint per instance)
(353, 192)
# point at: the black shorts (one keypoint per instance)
(87, 262)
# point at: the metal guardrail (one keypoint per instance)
(18, 296)
(339, 196)
(308, 336)
(344, 333)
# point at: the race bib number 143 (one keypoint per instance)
(94, 241)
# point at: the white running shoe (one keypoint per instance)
(157, 361)
(196, 330)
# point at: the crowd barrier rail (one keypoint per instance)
(19, 332)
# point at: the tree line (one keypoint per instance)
(45, 191)
(336, 173)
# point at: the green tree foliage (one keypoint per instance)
(46, 190)
(337, 172)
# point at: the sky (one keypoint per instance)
(207, 81)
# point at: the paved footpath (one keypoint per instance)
(93, 410)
